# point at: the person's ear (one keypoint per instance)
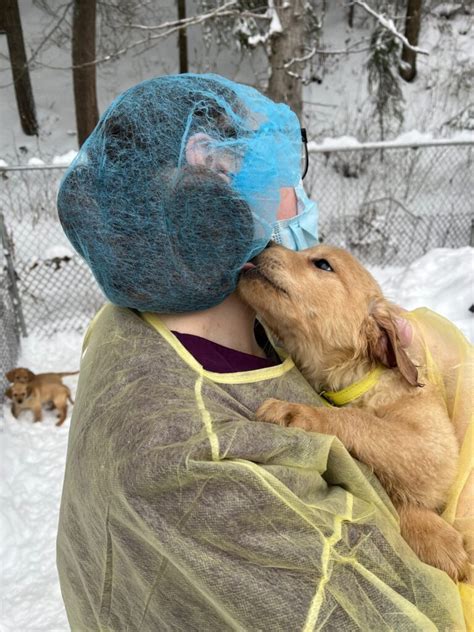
(200, 153)
(198, 150)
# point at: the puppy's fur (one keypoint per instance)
(31, 396)
(337, 326)
(25, 376)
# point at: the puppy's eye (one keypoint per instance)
(323, 264)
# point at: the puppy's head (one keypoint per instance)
(324, 306)
(20, 392)
(20, 374)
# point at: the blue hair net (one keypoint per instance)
(161, 234)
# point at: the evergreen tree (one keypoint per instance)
(383, 80)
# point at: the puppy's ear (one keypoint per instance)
(11, 375)
(29, 374)
(8, 392)
(384, 343)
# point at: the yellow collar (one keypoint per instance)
(353, 391)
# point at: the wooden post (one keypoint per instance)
(412, 30)
(10, 23)
(84, 72)
(182, 39)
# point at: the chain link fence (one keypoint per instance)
(390, 205)
(387, 205)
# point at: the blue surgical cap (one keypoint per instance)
(163, 235)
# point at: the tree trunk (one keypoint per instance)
(350, 16)
(182, 39)
(84, 72)
(285, 84)
(10, 23)
(412, 30)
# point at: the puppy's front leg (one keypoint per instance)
(38, 415)
(367, 437)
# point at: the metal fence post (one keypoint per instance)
(11, 274)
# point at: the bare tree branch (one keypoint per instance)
(388, 24)
(304, 58)
(220, 12)
(168, 29)
(47, 37)
(328, 51)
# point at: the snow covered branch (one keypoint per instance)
(389, 25)
(165, 30)
(223, 11)
(328, 51)
(297, 60)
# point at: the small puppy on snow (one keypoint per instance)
(332, 318)
(32, 397)
(30, 391)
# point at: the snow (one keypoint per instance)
(31, 475)
(409, 138)
(33, 455)
(446, 9)
(64, 159)
(335, 143)
(58, 252)
(414, 136)
(35, 162)
(441, 280)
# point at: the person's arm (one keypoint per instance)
(284, 531)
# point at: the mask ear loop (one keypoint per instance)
(304, 139)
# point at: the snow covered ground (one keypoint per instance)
(33, 455)
(31, 475)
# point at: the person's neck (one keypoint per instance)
(231, 324)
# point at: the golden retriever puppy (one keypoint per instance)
(32, 396)
(332, 318)
(20, 374)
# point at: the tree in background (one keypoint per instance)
(286, 55)
(84, 68)
(10, 23)
(286, 31)
(182, 38)
(412, 30)
(281, 39)
(383, 82)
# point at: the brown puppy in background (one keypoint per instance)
(32, 396)
(332, 318)
(25, 376)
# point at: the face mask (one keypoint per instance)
(299, 232)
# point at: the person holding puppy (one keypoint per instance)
(179, 510)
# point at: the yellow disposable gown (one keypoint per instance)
(449, 362)
(181, 512)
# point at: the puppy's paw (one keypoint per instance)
(450, 554)
(435, 542)
(276, 411)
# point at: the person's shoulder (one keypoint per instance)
(113, 324)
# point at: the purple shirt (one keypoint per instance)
(219, 359)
